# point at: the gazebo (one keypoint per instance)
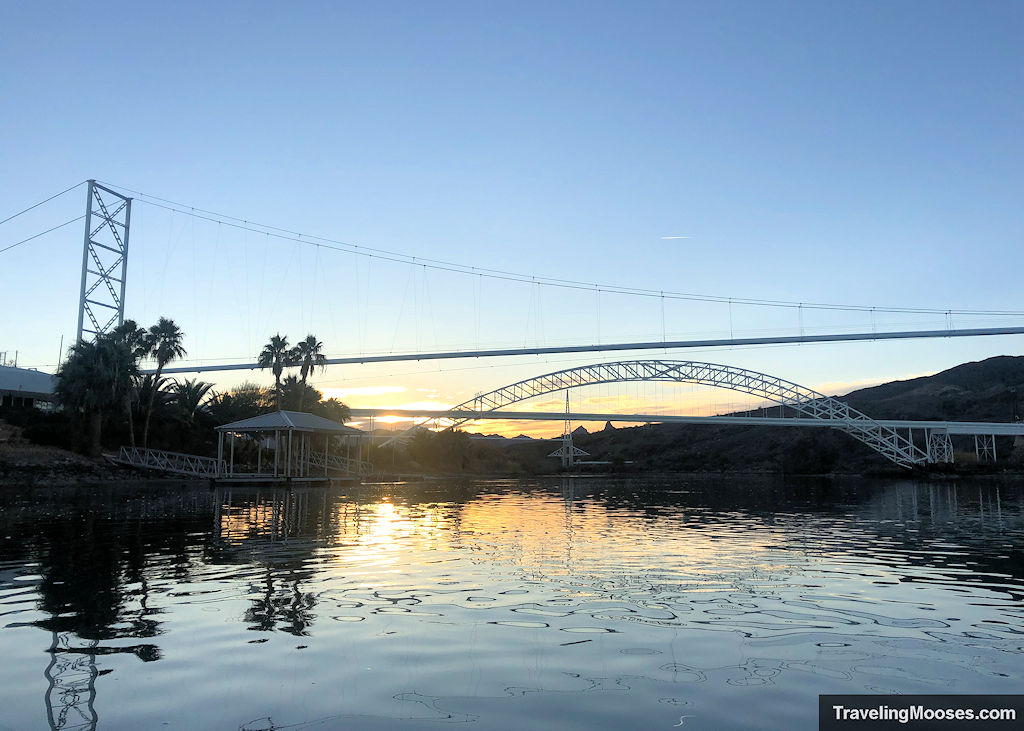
(294, 434)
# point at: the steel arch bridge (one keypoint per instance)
(806, 402)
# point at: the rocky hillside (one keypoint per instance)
(22, 462)
(988, 390)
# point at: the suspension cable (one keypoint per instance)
(57, 195)
(437, 264)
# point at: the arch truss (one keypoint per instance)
(805, 402)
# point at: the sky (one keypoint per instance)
(860, 153)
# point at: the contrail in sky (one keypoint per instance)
(676, 237)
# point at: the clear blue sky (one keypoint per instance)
(861, 152)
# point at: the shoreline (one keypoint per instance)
(79, 471)
(23, 464)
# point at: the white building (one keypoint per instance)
(24, 387)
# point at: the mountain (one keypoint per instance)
(987, 390)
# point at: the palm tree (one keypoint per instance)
(136, 338)
(277, 356)
(334, 410)
(290, 393)
(95, 379)
(154, 391)
(241, 402)
(189, 396)
(308, 354)
(190, 399)
(294, 394)
(164, 343)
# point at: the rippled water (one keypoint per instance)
(576, 604)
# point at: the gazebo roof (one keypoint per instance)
(288, 421)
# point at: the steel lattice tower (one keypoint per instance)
(104, 260)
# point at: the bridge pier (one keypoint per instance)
(985, 447)
(940, 446)
(567, 452)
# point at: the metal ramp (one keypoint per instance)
(193, 465)
(342, 464)
(175, 462)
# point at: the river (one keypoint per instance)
(705, 603)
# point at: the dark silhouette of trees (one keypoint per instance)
(94, 381)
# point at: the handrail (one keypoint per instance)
(178, 462)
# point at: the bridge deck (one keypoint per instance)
(610, 347)
(987, 428)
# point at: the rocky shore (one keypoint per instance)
(23, 463)
(34, 465)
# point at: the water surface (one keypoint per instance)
(577, 604)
